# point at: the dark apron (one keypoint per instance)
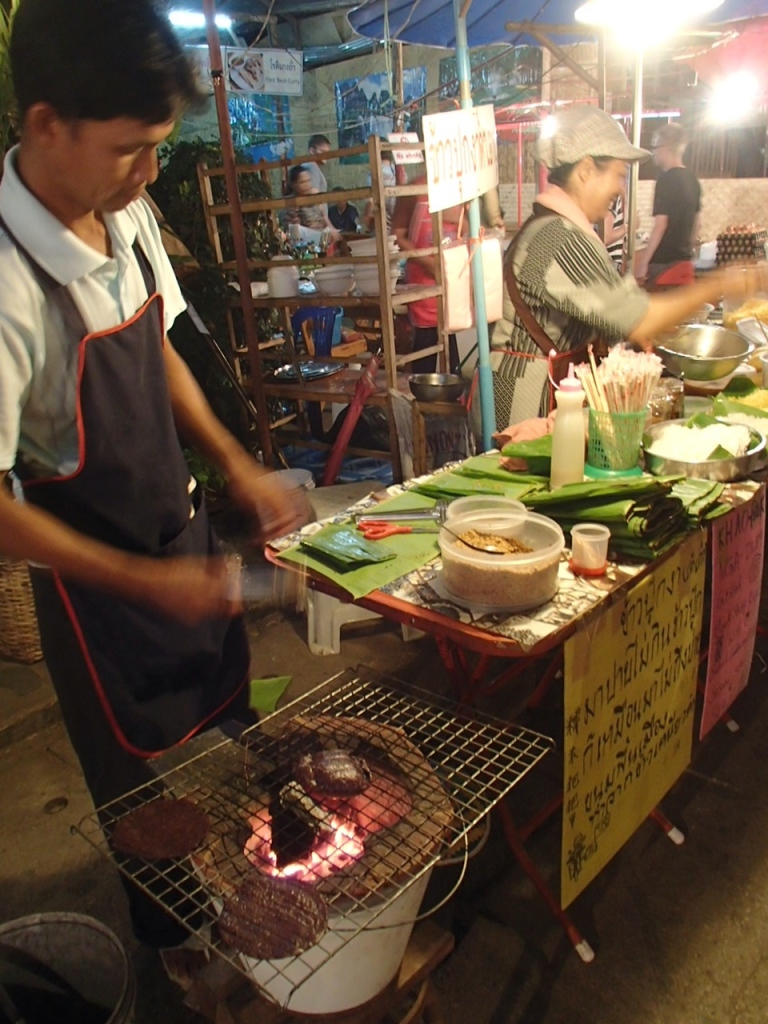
(158, 681)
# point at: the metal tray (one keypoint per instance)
(309, 371)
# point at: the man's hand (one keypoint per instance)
(264, 498)
(188, 589)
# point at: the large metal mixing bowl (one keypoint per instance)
(436, 387)
(703, 351)
(735, 467)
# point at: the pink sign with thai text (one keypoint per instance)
(737, 571)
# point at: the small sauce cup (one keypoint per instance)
(589, 549)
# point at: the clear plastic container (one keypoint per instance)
(483, 503)
(501, 583)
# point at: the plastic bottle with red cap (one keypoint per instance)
(568, 441)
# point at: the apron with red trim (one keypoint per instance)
(158, 681)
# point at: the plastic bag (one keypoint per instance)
(458, 307)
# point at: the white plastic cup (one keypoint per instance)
(589, 548)
(764, 365)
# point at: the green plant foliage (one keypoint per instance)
(177, 194)
(206, 474)
(8, 114)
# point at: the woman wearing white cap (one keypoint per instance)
(562, 290)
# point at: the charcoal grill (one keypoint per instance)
(455, 763)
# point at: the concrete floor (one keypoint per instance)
(681, 933)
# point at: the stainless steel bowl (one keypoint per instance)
(436, 387)
(737, 467)
(703, 351)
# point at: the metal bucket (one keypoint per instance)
(84, 952)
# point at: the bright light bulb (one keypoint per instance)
(735, 97)
(548, 127)
(639, 25)
(192, 19)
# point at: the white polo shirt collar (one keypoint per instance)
(57, 249)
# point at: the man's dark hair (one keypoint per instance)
(295, 171)
(100, 59)
(560, 175)
(318, 140)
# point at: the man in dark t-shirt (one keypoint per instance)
(676, 208)
(342, 214)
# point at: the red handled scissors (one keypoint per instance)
(376, 530)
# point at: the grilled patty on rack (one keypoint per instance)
(270, 918)
(160, 830)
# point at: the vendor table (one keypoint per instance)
(469, 646)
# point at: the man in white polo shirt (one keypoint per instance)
(143, 641)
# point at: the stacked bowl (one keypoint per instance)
(335, 279)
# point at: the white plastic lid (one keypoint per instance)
(571, 382)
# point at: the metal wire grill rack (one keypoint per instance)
(453, 764)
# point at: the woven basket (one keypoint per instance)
(19, 635)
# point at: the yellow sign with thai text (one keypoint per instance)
(630, 687)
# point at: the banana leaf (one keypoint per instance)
(641, 549)
(723, 405)
(701, 498)
(344, 549)
(738, 386)
(612, 489)
(536, 453)
(639, 517)
(457, 485)
(488, 465)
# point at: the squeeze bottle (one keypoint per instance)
(568, 434)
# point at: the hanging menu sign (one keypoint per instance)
(460, 154)
(630, 687)
(737, 576)
(271, 72)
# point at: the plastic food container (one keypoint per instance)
(483, 503)
(501, 583)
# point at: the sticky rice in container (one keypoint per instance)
(501, 583)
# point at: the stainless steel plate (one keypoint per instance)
(309, 371)
(721, 470)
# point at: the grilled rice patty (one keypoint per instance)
(161, 830)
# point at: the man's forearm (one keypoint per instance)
(657, 233)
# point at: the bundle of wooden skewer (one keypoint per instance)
(623, 382)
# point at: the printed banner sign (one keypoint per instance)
(461, 155)
(630, 687)
(271, 72)
(737, 575)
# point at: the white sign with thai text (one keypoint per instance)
(406, 156)
(461, 156)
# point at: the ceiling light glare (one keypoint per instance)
(193, 19)
(640, 24)
(734, 97)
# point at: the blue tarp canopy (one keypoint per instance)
(431, 22)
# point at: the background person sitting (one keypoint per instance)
(312, 220)
(342, 215)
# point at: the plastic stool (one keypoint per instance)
(326, 326)
(325, 617)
